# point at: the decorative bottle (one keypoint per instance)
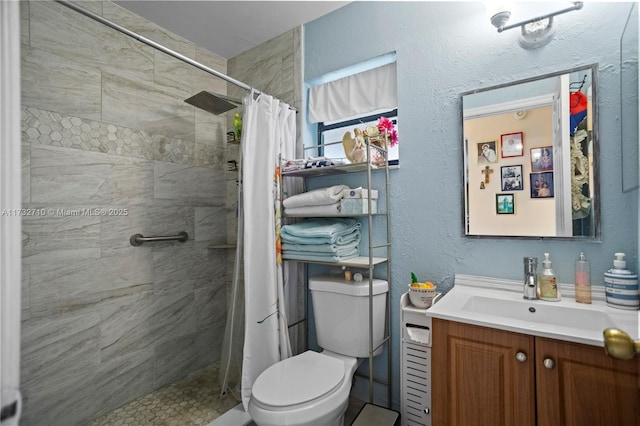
(237, 126)
(547, 282)
(583, 282)
(621, 285)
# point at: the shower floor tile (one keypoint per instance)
(194, 400)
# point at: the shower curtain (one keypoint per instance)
(269, 131)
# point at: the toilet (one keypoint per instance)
(313, 388)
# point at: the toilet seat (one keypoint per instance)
(297, 381)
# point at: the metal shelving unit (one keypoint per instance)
(367, 261)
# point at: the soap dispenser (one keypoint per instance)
(547, 282)
(583, 283)
(621, 285)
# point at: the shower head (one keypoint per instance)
(213, 103)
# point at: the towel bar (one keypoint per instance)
(138, 239)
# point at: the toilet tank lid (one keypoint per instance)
(333, 284)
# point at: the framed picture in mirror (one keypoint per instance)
(541, 159)
(487, 152)
(512, 145)
(511, 178)
(541, 185)
(505, 204)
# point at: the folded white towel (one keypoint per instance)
(325, 210)
(317, 197)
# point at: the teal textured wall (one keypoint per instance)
(444, 49)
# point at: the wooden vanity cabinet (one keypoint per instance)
(476, 379)
(580, 385)
(484, 376)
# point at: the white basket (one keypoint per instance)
(421, 297)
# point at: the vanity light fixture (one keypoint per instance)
(535, 32)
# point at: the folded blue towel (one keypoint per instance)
(323, 248)
(303, 255)
(315, 241)
(340, 254)
(320, 231)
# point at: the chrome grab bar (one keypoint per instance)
(138, 239)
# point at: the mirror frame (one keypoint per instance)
(596, 157)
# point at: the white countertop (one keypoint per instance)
(498, 303)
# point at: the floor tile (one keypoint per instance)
(194, 400)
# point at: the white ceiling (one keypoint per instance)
(229, 28)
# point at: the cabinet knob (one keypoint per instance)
(521, 357)
(549, 363)
(427, 411)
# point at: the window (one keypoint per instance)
(330, 135)
(354, 97)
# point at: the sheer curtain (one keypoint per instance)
(269, 130)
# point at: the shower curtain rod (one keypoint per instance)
(157, 46)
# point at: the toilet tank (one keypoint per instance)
(341, 314)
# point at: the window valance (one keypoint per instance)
(358, 94)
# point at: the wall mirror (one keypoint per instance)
(531, 157)
(629, 100)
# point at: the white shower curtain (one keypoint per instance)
(269, 130)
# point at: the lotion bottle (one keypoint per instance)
(583, 283)
(547, 282)
(621, 286)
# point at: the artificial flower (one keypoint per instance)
(386, 126)
(394, 137)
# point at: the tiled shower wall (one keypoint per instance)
(110, 150)
(275, 68)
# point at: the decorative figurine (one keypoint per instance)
(237, 126)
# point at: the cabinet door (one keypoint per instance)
(580, 385)
(477, 379)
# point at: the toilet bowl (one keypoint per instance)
(308, 389)
(313, 388)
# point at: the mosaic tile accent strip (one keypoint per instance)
(50, 128)
(194, 400)
(209, 156)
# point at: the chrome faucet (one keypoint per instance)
(530, 278)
